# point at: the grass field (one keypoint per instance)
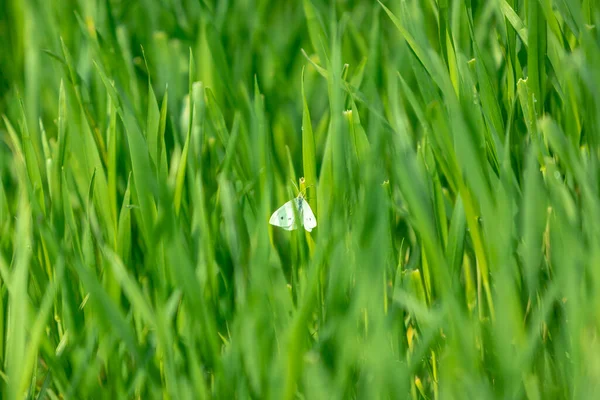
(450, 150)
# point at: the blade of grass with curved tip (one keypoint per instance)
(14, 143)
(489, 99)
(69, 215)
(62, 126)
(445, 155)
(18, 303)
(230, 150)
(236, 234)
(241, 163)
(201, 225)
(145, 182)
(184, 275)
(40, 322)
(90, 157)
(112, 140)
(131, 288)
(421, 54)
(513, 67)
(439, 201)
(552, 21)
(216, 117)
(219, 58)
(412, 182)
(152, 119)
(536, 54)
(360, 141)
(124, 226)
(113, 319)
(163, 168)
(76, 83)
(316, 31)
(456, 240)
(356, 94)
(534, 223)
(322, 71)
(309, 160)
(5, 221)
(179, 182)
(515, 20)
(263, 146)
(336, 137)
(31, 160)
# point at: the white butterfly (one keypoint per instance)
(285, 216)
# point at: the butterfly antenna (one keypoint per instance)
(303, 191)
(306, 188)
(296, 187)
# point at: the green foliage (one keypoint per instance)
(450, 150)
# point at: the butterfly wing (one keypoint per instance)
(284, 217)
(308, 217)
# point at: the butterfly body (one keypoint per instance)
(293, 213)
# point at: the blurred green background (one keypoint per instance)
(450, 150)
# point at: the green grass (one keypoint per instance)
(450, 149)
